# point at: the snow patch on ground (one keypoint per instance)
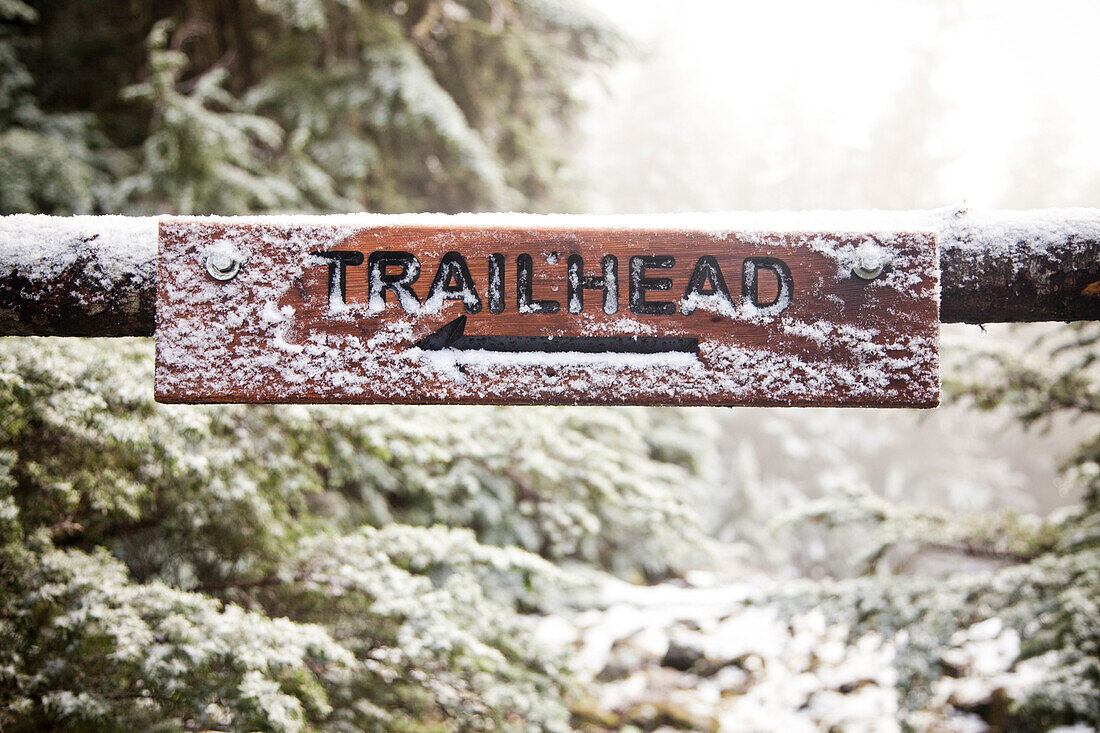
(723, 658)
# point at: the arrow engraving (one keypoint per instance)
(451, 336)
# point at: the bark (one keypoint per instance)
(996, 267)
(72, 304)
(77, 276)
(1001, 271)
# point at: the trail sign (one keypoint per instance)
(508, 309)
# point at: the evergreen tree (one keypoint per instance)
(246, 106)
(290, 569)
(1058, 374)
(1047, 588)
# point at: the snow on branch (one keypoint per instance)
(96, 276)
(77, 276)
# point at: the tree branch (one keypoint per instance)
(96, 276)
(979, 551)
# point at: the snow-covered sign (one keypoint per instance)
(510, 309)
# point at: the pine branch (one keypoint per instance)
(980, 551)
(248, 583)
(73, 534)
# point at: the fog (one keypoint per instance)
(856, 104)
(853, 104)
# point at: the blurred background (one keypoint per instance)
(845, 105)
(433, 569)
(900, 105)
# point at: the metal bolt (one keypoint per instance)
(222, 266)
(870, 261)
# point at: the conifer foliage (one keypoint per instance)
(289, 568)
(246, 106)
(1057, 375)
(1045, 586)
(294, 569)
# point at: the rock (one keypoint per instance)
(624, 693)
(992, 707)
(615, 670)
(849, 687)
(651, 716)
(952, 664)
(588, 714)
(751, 663)
(682, 656)
(644, 715)
(688, 656)
(733, 680)
(650, 641)
(624, 658)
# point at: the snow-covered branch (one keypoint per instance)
(96, 276)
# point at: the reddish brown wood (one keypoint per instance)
(842, 341)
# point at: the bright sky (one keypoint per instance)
(809, 83)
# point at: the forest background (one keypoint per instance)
(286, 568)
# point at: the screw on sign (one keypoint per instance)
(222, 266)
(509, 309)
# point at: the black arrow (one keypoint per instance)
(450, 337)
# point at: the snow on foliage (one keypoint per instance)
(256, 569)
(289, 568)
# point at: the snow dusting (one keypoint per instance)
(107, 248)
(727, 656)
(251, 337)
(266, 326)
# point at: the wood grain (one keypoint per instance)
(841, 341)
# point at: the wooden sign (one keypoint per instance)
(506, 309)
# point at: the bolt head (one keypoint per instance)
(870, 262)
(222, 266)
